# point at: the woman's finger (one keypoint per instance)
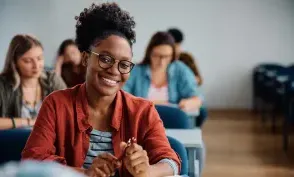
(107, 169)
(108, 157)
(137, 155)
(137, 161)
(133, 148)
(99, 173)
(142, 167)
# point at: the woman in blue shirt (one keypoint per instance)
(162, 79)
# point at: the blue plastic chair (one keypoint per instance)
(180, 149)
(12, 143)
(265, 89)
(173, 118)
(274, 93)
(260, 80)
(288, 112)
(203, 114)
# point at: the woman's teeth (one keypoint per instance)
(109, 81)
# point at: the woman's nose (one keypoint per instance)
(114, 69)
(35, 63)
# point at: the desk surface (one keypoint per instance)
(189, 137)
(193, 113)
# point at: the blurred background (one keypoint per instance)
(231, 41)
(228, 37)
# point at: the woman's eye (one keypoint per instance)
(124, 65)
(105, 59)
(27, 61)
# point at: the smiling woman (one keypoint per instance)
(87, 126)
(24, 83)
(101, 73)
(163, 79)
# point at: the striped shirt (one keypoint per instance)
(101, 142)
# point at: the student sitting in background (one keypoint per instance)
(87, 126)
(163, 79)
(68, 64)
(23, 83)
(183, 56)
(191, 63)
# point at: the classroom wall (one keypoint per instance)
(228, 37)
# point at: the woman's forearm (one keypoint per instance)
(57, 69)
(6, 123)
(196, 101)
(58, 65)
(160, 169)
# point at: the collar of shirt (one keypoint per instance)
(82, 111)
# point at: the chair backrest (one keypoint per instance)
(180, 149)
(260, 70)
(12, 143)
(173, 117)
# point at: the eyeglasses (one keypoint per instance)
(106, 62)
(161, 56)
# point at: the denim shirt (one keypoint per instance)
(181, 82)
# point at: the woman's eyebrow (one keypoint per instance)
(108, 53)
(105, 53)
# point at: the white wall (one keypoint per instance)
(229, 37)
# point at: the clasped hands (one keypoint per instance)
(134, 157)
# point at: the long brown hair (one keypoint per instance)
(18, 46)
(159, 38)
(190, 62)
(64, 45)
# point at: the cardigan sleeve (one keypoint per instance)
(155, 141)
(40, 145)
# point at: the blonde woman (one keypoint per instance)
(24, 83)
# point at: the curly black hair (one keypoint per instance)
(100, 21)
(177, 34)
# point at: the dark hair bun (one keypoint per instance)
(100, 21)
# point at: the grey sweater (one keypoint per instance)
(11, 100)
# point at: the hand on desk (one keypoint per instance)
(103, 165)
(32, 122)
(136, 160)
(190, 104)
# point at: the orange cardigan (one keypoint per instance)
(62, 131)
